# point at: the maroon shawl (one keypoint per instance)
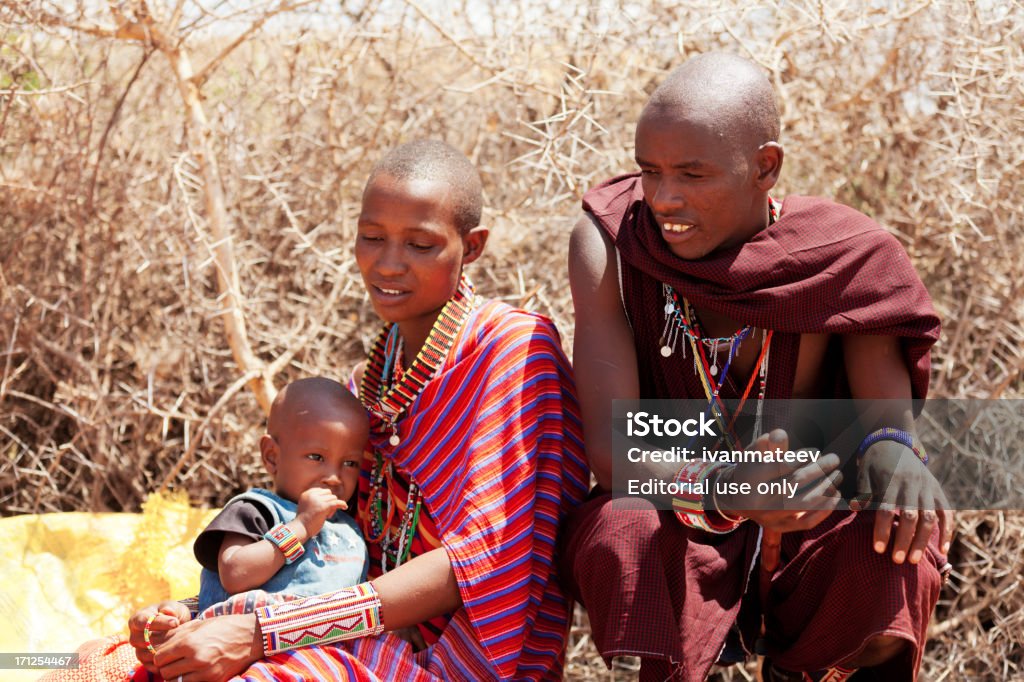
(820, 268)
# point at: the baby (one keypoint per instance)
(294, 541)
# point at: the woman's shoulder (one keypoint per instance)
(498, 321)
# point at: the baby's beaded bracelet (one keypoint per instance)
(284, 539)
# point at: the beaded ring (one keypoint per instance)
(145, 634)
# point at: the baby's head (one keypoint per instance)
(315, 437)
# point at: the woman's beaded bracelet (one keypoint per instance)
(345, 614)
(889, 433)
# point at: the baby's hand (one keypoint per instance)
(316, 505)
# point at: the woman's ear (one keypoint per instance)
(473, 243)
(768, 160)
(268, 453)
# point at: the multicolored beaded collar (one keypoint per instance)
(387, 392)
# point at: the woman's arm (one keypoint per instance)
(418, 590)
(216, 649)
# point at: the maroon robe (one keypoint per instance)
(657, 590)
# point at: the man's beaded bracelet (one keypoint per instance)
(692, 479)
(284, 539)
(889, 433)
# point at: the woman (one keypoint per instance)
(474, 458)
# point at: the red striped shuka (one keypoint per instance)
(494, 442)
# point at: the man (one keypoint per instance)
(809, 299)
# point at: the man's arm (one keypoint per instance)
(604, 358)
(876, 371)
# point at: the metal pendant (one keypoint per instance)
(394, 440)
(666, 351)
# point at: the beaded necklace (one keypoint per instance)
(387, 391)
(680, 320)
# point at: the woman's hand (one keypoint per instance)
(167, 616)
(210, 650)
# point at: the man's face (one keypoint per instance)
(699, 183)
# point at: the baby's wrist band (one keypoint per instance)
(889, 433)
(345, 614)
(282, 537)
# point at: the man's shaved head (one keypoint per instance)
(316, 398)
(436, 161)
(728, 93)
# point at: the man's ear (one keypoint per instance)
(473, 243)
(269, 452)
(768, 161)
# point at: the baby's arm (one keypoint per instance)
(244, 564)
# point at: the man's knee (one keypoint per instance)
(602, 539)
(606, 524)
(877, 651)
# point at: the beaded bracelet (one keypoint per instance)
(714, 499)
(284, 539)
(688, 504)
(146, 633)
(889, 433)
(345, 614)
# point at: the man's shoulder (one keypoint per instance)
(812, 223)
(613, 200)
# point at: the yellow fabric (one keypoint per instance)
(71, 577)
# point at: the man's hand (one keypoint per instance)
(893, 480)
(315, 506)
(210, 650)
(168, 616)
(816, 495)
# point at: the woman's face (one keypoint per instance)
(409, 251)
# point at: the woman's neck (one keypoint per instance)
(414, 335)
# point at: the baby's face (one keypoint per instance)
(321, 452)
